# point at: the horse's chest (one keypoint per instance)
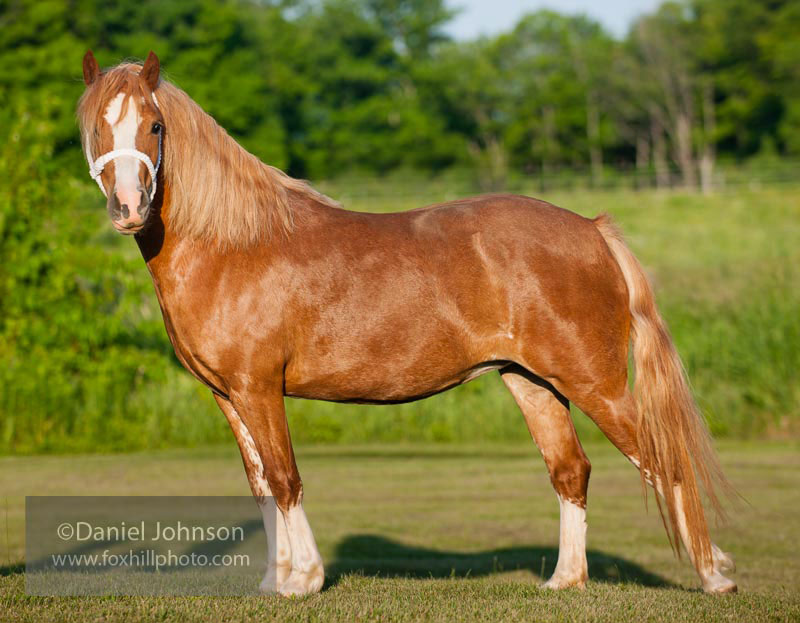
(195, 347)
(218, 333)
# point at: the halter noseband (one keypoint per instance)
(96, 166)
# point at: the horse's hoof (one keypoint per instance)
(274, 578)
(303, 583)
(718, 584)
(559, 582)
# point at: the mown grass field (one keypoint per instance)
(443, 532)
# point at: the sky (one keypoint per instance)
(489, 17)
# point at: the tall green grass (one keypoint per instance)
(86, 365)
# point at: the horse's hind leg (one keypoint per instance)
(617, 417)
(547, 416)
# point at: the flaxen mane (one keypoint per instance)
(220, 192)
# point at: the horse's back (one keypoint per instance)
(501, 221)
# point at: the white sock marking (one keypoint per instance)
(307, 571)
(571, 567)
(305, 555)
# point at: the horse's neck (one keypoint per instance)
(158, 248)
(162, 248)
(167, 253)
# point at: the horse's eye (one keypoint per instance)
(156, 128)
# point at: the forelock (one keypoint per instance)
(123, 78)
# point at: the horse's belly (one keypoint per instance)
(378, 384)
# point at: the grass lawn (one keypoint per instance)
(455, 532)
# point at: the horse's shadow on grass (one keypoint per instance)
(12, 569)
(377, 556)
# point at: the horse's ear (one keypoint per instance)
(91, 70)
(150, 70)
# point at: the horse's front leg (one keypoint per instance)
(263, 416)
(279, 553)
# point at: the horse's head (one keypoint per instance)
(122, 137)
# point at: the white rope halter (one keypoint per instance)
(96, 167)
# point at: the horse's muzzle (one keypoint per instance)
(129, 210)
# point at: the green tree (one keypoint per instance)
(555, 66)
(462, 85)
(414, 25)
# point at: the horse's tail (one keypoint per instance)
(673, 440)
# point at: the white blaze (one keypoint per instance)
(124, 132)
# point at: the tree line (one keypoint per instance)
(326, 87)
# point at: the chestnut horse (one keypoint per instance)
(270, 289)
